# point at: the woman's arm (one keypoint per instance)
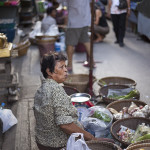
(128, 11)
(73, 128)
(109, 7)
(98, 14)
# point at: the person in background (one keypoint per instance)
(56, 117)
(79, 20)
(118, 19)
(49, 19)
(101, 27)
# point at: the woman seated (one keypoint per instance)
(49, 19)
(101, 27)
(56, 117)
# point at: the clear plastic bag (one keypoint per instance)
(74, 144)
(100, 127)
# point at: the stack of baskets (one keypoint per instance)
(115, 83)
(111, 84)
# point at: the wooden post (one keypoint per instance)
(91, 50)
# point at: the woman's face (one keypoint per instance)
(60, 72)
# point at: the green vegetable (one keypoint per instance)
(130, 95)
(103, 82)
(144, 137)
(101, 116)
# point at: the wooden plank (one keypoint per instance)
(22, 131)
(32, 126)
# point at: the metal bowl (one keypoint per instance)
(80, 97)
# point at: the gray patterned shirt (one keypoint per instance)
(52, 107)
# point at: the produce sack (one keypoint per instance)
(97, 121)
(7, 118)
(74, 144)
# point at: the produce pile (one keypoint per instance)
(132, 136)
(130, 95)
(132, 111)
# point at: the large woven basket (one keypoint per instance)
(118, 105)
(70, 90)
(78, 81)
(143, 146)
(116, 81)
(131, 123)
(103, 92)
(101, 145)
(137, 143)
(45, 39)
(45, 44)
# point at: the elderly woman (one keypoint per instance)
(56, 117)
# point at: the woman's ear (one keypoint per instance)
(48, 72)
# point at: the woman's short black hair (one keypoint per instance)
(49, 61)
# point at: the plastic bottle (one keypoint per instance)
(2, 105)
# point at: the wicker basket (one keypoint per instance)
(118, 105)
(45, 44)
(131, 123)
(78, 81)
(22, 48)
(144, 146)
(45, 39)
(103, 92)
(116, 81)
(101, 145)
(137, 143)
(70, 90)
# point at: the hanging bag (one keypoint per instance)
(123, 4)
(74, 144)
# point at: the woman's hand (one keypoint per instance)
(73, 128)
(128, 12)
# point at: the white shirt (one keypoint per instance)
(79, 13)
(114, 8)
(47, 22)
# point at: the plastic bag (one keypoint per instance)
(80, 144)
(7, 118)
(36, 31)
(100, 127)
(52, 30)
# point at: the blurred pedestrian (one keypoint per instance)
(101, 27)
(49, 19)
(118, 17)
(79, 20)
